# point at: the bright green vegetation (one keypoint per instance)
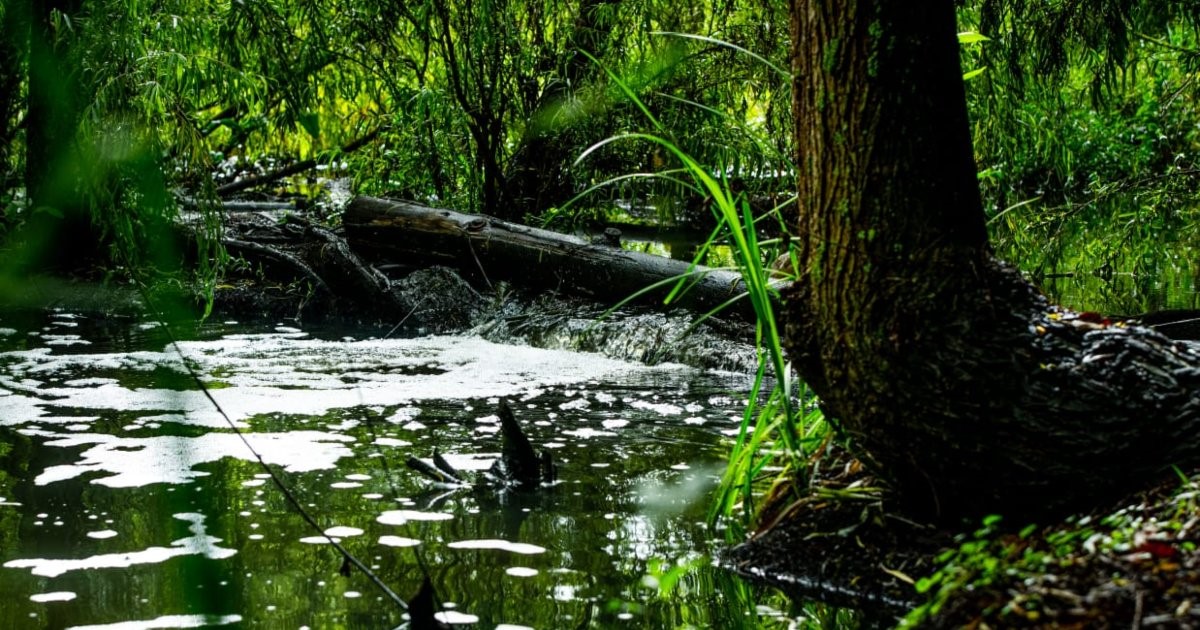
(1085, 129)
(1087, 135)
(479, 107)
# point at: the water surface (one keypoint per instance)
(125, 498)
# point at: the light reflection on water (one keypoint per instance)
(116, 459)
(198, 544)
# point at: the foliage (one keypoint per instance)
(1086, 138)
(481, 106)
(780, 416)
(1089, 109)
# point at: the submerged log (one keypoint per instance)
(489, 250)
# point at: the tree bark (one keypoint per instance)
(491, 250)
(953, 378)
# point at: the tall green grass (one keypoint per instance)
(781, 428)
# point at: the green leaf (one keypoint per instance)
(924, 584)
(971, 37)
(967, 76)
(311, 121)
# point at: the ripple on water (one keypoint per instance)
(282, 374)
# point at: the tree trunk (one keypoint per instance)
(953, 377)
(537, 176)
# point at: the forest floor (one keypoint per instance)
(1134, 564)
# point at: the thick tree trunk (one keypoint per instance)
(490, 250)
(952, 376)
(59, 221)
(52, 104)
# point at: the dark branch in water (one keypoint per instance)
(435, 473)
(445, 466)
(520, 463)
(519, 466)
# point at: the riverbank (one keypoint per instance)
(1132, 564)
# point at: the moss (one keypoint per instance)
(829, 56)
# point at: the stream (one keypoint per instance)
(127, 501)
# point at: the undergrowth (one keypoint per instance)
(1084, 570)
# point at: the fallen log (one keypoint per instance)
(489, 250)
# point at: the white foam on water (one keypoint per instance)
(398, 541)
(453, 617)
(56, 596)
(166, 621)
(131, 462)
(343, 530)
(199, 544)
(293, 374)
(400, 517)
(503, 545)
(521, 572)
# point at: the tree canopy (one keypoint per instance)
(485, 106)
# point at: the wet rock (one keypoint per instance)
(441, 300)
(629, 334)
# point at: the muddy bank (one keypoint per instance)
(1132, 564)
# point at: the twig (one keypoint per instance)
(292, 169)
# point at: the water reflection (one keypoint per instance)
(113, 453)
